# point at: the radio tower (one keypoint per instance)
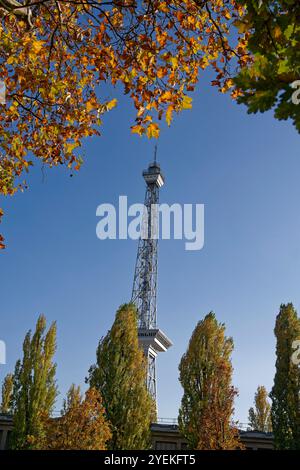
(144, 291)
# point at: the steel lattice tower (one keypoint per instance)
(144, 291)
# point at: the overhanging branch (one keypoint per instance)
(22, 11)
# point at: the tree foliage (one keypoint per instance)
(260, 415)
(55, 57)
(54, 60)
(285, 393)
(34, 386)
(120, 377)
(273, 28)
(82, 425)
(207, 405)
(6, 395)
(218, 430)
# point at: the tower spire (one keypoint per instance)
(144, 292)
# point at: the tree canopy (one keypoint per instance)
(34, 386)
(207, 405)
(273, 28)
(54, 56)
(82, 425)
(57, 56)
(260, 414)
(285, 393)
(6, 393)
(120, 377)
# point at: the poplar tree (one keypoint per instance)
(7, 388)
(205, 415)
(120, 377)
(260, 415)
(285, 392)
(34, 387)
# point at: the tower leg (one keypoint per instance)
(151, 375)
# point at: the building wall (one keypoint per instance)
(167, 437)
(6, 426)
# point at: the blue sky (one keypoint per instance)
(245, 169)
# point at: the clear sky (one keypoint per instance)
(245, 169)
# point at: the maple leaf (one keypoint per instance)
(153, 130)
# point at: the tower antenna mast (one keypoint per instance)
(155, 153)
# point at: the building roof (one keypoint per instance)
(6, 417)
(168, 427)
(256, 434)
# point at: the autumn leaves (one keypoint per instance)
(52, 72)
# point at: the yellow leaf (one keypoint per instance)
(229, 83)
(36, 46)
(163, 6)
(277, 32)
(71, 146)
(84, 60)
(138, 129)
(174, 62)
(161, 72)
(89, 106)
(169, 114)
(153, 130)
(111, 104)
(187, 102)
(166, 96)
